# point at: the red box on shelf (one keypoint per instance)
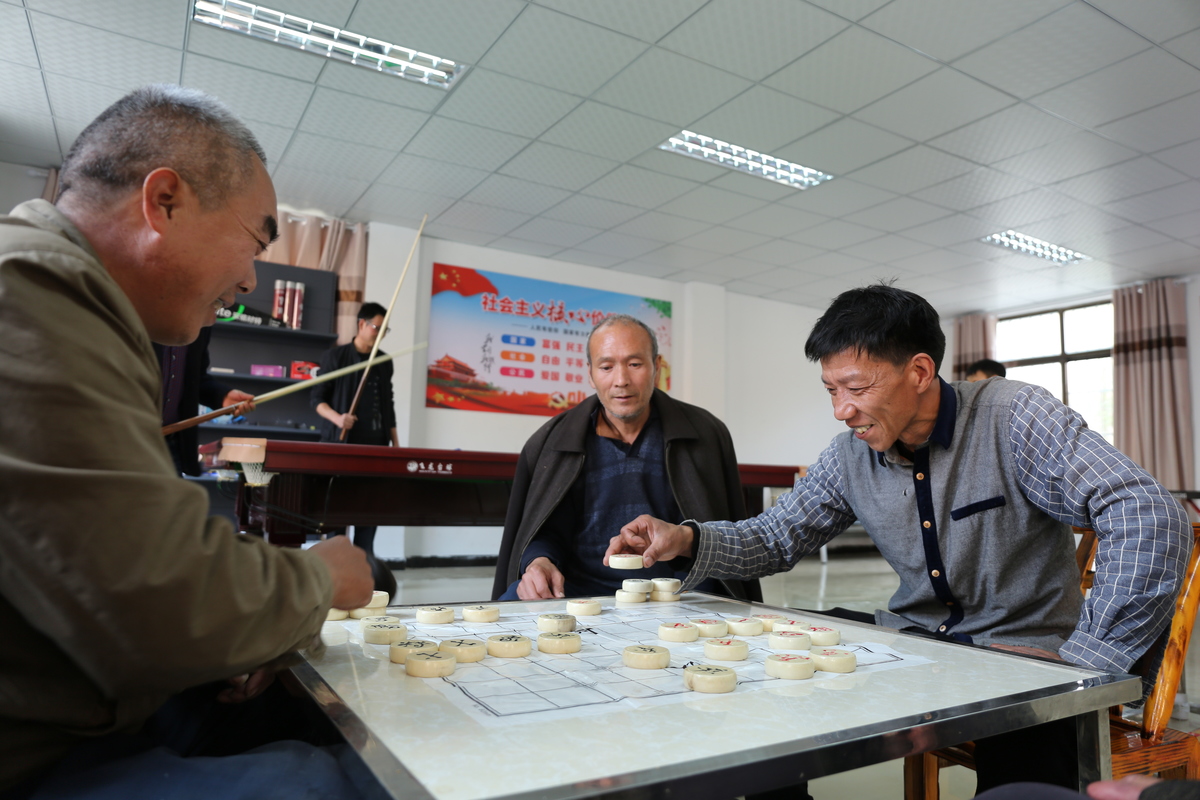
(303, 370)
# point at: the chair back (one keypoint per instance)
(1161, 702)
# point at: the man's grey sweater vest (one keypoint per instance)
(1006, 565)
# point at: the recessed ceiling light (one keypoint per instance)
(313, 37)
(743, 159)
(1035, 247)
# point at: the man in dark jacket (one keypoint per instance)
(626, 449)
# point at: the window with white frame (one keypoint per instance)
(1068, 351)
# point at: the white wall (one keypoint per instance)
(19, 183)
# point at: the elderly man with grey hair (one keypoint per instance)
(137, 629)
(625, 450)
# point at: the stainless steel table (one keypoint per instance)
(419, 744)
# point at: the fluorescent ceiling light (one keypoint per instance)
(326, 40)
(1035, 247)
(742, 159)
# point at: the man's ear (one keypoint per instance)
(923, 371)
(164, 195)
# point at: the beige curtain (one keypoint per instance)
(974, 338)
(331, 245)
(50, 190)
(1152, 398)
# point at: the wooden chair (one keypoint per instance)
(1144, 749)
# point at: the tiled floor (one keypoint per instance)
(857, 581)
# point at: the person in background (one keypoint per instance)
(1131, 787)
(985, 368)
(137, 629)
(187, 385)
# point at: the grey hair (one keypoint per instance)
(624, 319)
(156, 126)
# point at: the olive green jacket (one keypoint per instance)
(116, 587)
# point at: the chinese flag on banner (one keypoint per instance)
(460, 279)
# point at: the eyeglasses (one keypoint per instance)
(386, 331)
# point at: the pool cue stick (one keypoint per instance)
(383, 328)
(296, 387)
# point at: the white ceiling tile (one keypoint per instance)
(380, 86)
(777, 220)
(29, 156)
(451, 233)
(273, 139)
(752, 186)
(832, 75)
(1183, 226)
(1155, 128)
(497, 101)
(1116, 239)
(619, 244)
(34, 131)
(734, 268)
(584, 55)
(946, 29)
(1065, 158)
(877, 273)
(781, 252)
(692, 169)
(896, 215)
(549, 231)
(1185, 158)
(828, 265)
(112, 59)
(669, 87)
(646, 21)
(254, 54)
(660, 227)
(912, 170)
(78, 100)
(584, 210)
(708, 204)
(696, 276)
(1169, 254)
(838, 197)
(357, 119)
(151, 20)
(1159, 204)
(726, 241)
(933, 105)
(460, 143)
(515, 194)
(779, 31)
(403, 203)
(305, 189)
(845, 145)
(763, 119)
(486, 219)
(1157, 20)
(887, 248)
(1099, 275)
(1006, 133)
(460, 30)
(249, 93)
(16, 41)
(591, 259)
(640, 187)
(834, 234)
(951, 230)
(933, 262)
(1135, 84)
(330, 156)
(608, 132)
(851, 9)
(525, 246)
(1186, 47)
(748, 288)
(1132, 177)
(677, 257)
(1064, 46)
(644, 269)
(557, 166)
(925, 284)
(1022, 209)
(782, 278)
(974, 189)
(428, 175)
